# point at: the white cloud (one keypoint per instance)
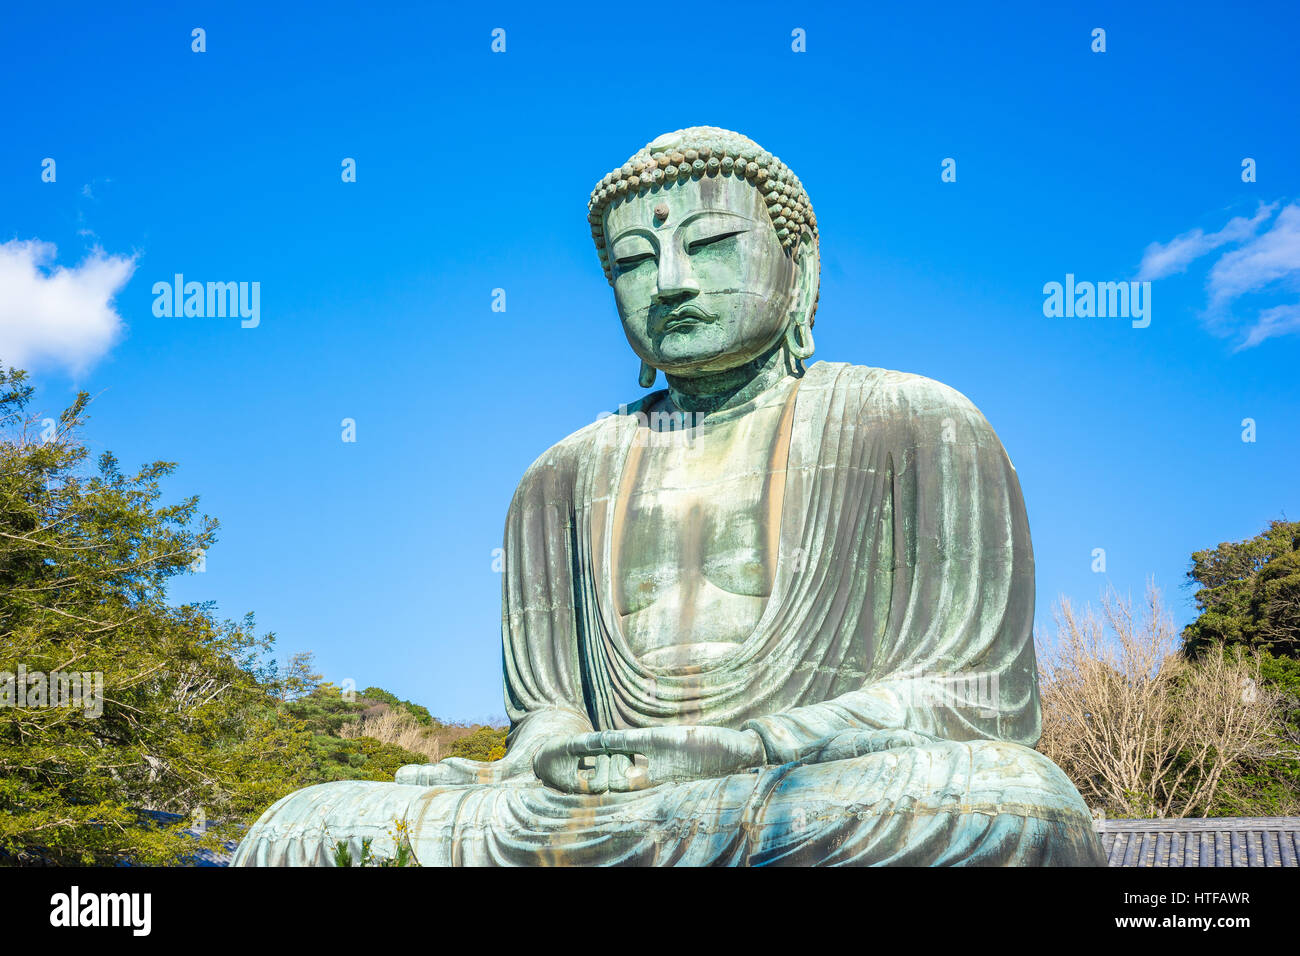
(1278, 320)
(1267, 262)
(60, 315)
(1160, 260)
(1260, 262)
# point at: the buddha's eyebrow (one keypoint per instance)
(699, 213)
(691, 217)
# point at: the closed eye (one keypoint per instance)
(632, 261)
(698, 244)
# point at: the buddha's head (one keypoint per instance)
(710, 244)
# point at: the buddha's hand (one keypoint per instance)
(624, 760)
(460, 771)
(859, 743)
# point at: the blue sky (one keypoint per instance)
(473, 171)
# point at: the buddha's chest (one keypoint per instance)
(696, 533)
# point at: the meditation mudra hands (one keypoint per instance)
(626, 760)
(622, 761)
(604, 761)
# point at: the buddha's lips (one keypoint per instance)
(687, 315)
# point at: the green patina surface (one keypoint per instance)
(767, 615)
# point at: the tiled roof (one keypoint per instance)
(201, 857)
(1202, 841)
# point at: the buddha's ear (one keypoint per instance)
(807, 277)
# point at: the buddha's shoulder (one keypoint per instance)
(561, 461)
(878, 391)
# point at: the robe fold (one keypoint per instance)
(902, 599)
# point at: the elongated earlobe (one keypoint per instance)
(648, 375)
(810, 268)
(799, 343)
(799, 339)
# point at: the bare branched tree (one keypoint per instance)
(1141, 730)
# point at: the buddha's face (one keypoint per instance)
(706, 287)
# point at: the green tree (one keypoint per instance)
(181, 713)
(483, 743)
(418, 711)
(187, 720)
(1249, 593)
(1271, 787)
(322, 712)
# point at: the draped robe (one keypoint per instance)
(902, 600)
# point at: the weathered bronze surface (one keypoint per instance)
(767, 615)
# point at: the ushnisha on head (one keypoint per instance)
(711, 245)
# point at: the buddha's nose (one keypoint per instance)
(675, 283)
